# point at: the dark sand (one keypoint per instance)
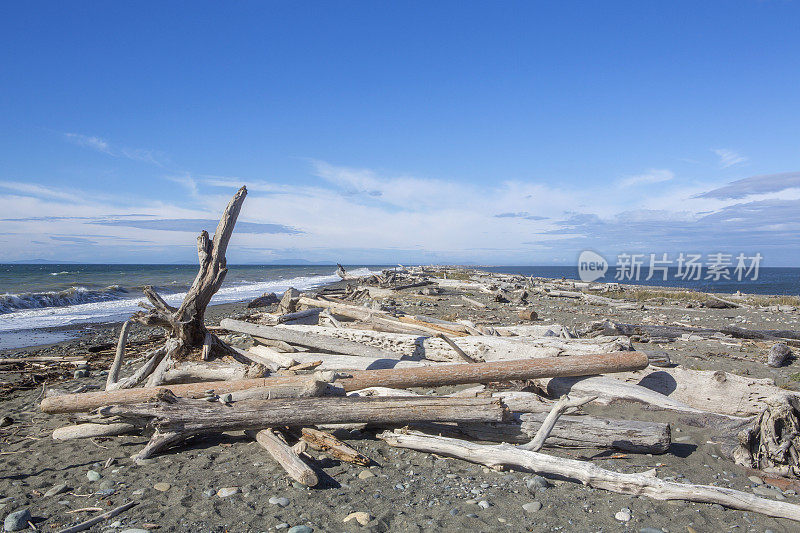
(409, 491)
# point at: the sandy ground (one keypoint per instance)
(407, 491)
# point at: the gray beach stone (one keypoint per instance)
(57, 489)
(17, 521)
(162, 487)
(755, 479)
(279, 501)
(778, 355)
(282, 525)
(483, 504)
(93, 475)
(300, 529)
(624, 515)
(537, 483)
(135, 530)
(365, 474)
(532, 507)
(650, 530)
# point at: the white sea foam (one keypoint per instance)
(120, 309)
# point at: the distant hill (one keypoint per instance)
(43, 262)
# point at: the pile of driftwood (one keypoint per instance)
(339, 356)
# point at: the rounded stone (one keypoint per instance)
(537, 483)
(93, 475)
(361, 517)
(279, 501)
(483, 504)
(365, 474)
(300, 529)
(162, 487)
(623, 516)
(227, 491)
(17, 521)
(532, 507)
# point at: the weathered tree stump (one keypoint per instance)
(186, 330)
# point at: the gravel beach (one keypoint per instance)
(229, 483)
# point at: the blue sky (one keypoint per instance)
(505, 133)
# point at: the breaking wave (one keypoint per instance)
(72, 296)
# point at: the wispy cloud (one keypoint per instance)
(521, 214)
(651, 176)
(728, 158)
(766, 183)
(195, 225)
(187, 181)
(89, 141)
(101, 145)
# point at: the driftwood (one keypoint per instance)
(481, 348)
(90, 430)
(83, 526)
(715, 391)
(185, 325)
(199, 371)
(569, 432)
(645, 484)
(320, 440)
(281, 360)
(772, 442)
(285, 456)
(305, 338)
(549, 422)
(432, 376)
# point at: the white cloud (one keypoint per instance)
(101, 145)
(728, 158)
(89, 141)
(651, 176)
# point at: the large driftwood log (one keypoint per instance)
(715, 391)
(310, 339)
(199, 371)
(90, 430)
(320, 440)
(645, 484)
(199, 416)
(432, 376)
(569, 432)
(481, 348)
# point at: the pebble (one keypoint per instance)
(483, 504)
(300, 529)
(227, 491)
(208, 493)
(57, 489)
(537, 483)
(472, 515)
(93, 475)
(365, 474)
(80, 374)
(453, 512)
(360, 517)
(755, 479)
(17, 521)
(282, 525)
(650, 530)
(135, 530)
(279, 501)
(6, 421)
(532, 507)
(162, 487)
(624, 515)
(769, 492)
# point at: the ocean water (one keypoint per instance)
(771, 280)
(34, 297)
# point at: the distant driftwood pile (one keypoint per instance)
(339, 357)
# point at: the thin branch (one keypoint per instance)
(559, 408)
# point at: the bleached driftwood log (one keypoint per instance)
(569, 432)
(482, 348)
(430, 376)
(285, 456)
(199, 371)
(281, 360)
(310, 338)
(549, 422)
(715, 391)
(89, 430)
(645, 484)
